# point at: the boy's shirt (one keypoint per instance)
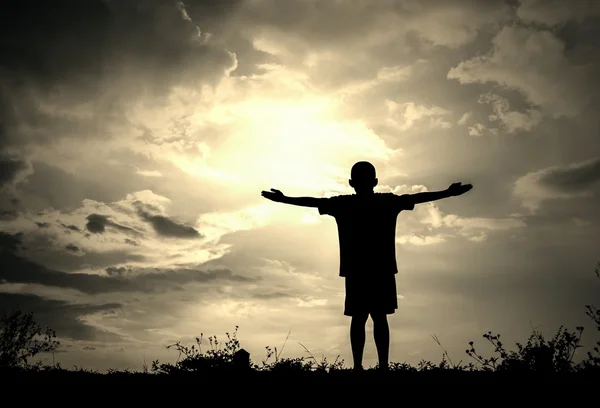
(366, 230)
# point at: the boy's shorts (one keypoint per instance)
(370, 294)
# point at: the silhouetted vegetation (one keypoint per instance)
(21, 339)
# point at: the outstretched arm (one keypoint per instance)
(455, 189)
(279, 197)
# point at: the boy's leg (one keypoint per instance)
(357, 338)
(381, 334)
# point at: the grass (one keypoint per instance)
(539, 358)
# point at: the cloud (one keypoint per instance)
(131, 242)
(272, 295)
(59, 180)
(386, 76)
(513, 121)
(469, 224)
(169, 228)
(555, 12)
(116, 271)
(406, 115)
(579, 179)
(149, 173)
(338, 24)
(9, 242)
(510, 119)
(477, 129)
(111, 54)
(63, 317)
(420, 240)
(9, 168)
(574, 177)
(533, 63)
(465, 118)
(17, 269)
(70, 228)
(430, 226)
(127, 231)
(455, 23)
(73, 248)
(97, 223)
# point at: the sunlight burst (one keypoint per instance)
(294, 144)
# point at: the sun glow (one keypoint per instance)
(296, 144)
(276, 131)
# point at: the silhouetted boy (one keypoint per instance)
(367, 244)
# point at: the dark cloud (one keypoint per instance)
(110, 52)
(40, 248)
(220, 18)
(61, 316)
(16, 269)
(183, 276)
(212, 14)
(575, 177)
(116, 271)
(10, 242)
(72, 248)
(342, 26)
(9, 206)
(97, 223)
(50, 186)
(168, 228)
(71, 227)
(89, 348)
(273, 295)
(9, 167)
(8, 215)
(42, 224)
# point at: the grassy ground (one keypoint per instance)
(400, 377)
(537, 360)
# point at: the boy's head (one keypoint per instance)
(363, 177)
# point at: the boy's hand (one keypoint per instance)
(273, 195)
(456, 189)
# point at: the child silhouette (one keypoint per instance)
(366, 224)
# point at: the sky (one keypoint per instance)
(137, 136)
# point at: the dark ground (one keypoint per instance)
(343, 377)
